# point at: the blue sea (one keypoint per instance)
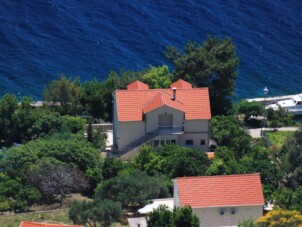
(40, 40)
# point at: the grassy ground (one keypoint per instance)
(60, 216)
(278, 138)
(43, 214)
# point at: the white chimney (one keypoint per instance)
(174, 93)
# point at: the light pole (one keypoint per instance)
(265, 92)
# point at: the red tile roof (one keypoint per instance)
(137, 85)
(210, 155)
(38, 224)
(195, 101)
(162, 99)
(220, 191)
(181, 84)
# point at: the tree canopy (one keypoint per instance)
(179, 217)
(132, 189)
(63, 95)
(91, 213)
(157, 77)
(213, 64)
(172, 161)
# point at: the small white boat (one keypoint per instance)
(292, 105)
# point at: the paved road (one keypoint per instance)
(256, 132)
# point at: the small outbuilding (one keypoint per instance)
(223, 200)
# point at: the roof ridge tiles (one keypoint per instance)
(160, 89)
(216, 176)
(150, 100)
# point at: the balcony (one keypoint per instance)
(171, 129)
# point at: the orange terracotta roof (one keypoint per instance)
(130, 103)
(162, 99)
(210, 155)
(181, 84)
(137, 85)
(38, 224)
(220, 191)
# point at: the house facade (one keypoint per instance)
(221, 200)
(178, 115)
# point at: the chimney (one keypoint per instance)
(174, 93)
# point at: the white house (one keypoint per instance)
(221, 200)
(179, 115)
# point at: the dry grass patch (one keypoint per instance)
(43, 213)
(278, 138)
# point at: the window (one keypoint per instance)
(233, 210)
(202, 142)
(222, 211)
(163, 142)
(189, 142)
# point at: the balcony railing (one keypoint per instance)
(171, 129)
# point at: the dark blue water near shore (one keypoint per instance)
(41, 40)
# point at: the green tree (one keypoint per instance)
(250, 109)
(75, 153)
(248, 223)
(261, 161)
(131, 189)
(160, 217)
(288, 199)
(129, 76)
(157, 77)
(14, 196)
(149, 161)
(279, 118)
(92, 99)
(104, 212)
(110, 84)
(179, 217)
(184, 217)
(226, 131)
(292, 151)
(45, 124)
(8, 106)
(24, 117)
(213, 64)
(63, 95)
(112, 167)
(224, 162)
(181, 161)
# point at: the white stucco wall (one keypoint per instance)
(176, 194)
(130, 131)
(196, 137)
(166, 137)
(196, 126)
(210, 217)
(115, 122)
(152, 117)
